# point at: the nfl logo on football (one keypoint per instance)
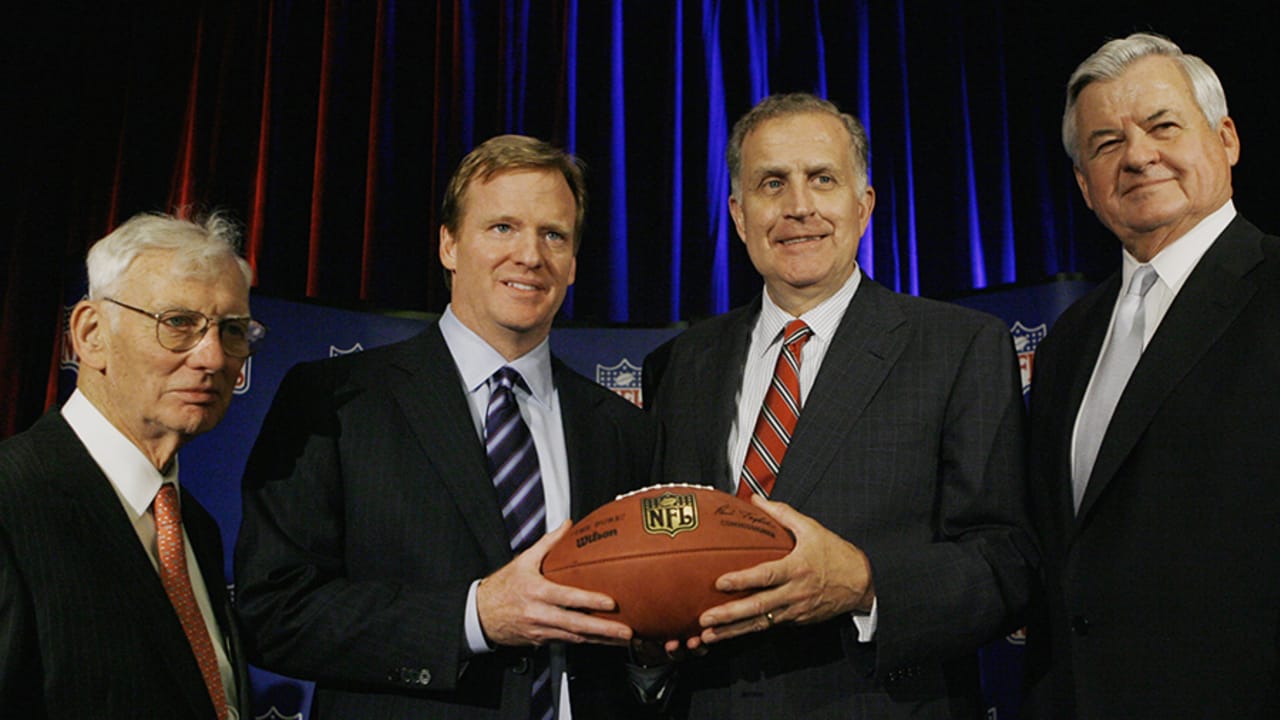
(623, 378)
(669, 513)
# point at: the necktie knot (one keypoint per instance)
(165, 506)
(796, 334)
(507, 378)
(1143, 278)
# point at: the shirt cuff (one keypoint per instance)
(477, 643)
(866, 622)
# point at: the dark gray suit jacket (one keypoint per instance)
(1163, 593)
(910, 447)
(368, 511)
(86, 630)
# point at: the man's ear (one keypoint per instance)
(739, 220)
(1084, 188)
(1230, 140)
(89, 334)
(448, 250)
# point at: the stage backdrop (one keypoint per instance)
(213, 463)
(330, 127)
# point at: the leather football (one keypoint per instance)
(658, 551)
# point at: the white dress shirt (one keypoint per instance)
(136, 482)
(1172, 265)
(757, 375)
(476, 361)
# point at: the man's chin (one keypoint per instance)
(195, 420)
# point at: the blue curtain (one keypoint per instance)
(331, 126)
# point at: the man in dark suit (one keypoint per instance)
(1155, 466)
(379, 554)
(902, 479)
(108, 609)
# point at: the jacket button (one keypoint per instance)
(521, 666)
(412, 676)
(1080, 625)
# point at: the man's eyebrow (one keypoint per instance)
(769, 170)
(1100, 132)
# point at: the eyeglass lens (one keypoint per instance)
(180, 330)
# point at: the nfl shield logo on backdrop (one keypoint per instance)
(242, 382)
(274, 714)
(623, 378)
(67, 359)
(1025, 341)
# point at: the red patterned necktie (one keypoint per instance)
(177, 584)
(778, 416)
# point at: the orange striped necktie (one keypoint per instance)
(778, 416)
(177, 585)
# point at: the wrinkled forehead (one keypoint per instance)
(1148, 86)
(184, 280)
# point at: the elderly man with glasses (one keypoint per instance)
(112, 598)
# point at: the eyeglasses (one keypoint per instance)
(181, 330)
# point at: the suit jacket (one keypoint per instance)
(1163, 593)
(86, 629)
(909, 445)
(368, 512)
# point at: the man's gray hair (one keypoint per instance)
(1113, 58)
(199, 246)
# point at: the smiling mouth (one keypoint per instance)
(1145, 185)
(517, 285)
(801, 240)
(199, 395)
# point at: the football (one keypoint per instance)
(658, 551)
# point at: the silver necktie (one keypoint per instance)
(1114, 368)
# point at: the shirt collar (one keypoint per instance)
(1174, 263)
(477, 360)
(822, 319)
(132, 475)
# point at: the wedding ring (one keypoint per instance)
(768, 617)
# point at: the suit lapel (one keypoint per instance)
(584, 445)
(435, 405)
(1213, 296)
(870, 338)
(718, 373)
(1089, 332)
(206, 543)
(119, 556)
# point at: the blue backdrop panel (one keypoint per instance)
(1029, 312)
(213, 463)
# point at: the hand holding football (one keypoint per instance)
(658, 551)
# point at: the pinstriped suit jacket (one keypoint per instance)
(86, 630)
(908, 446)
(368, 511)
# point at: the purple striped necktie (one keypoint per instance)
(513, 465)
